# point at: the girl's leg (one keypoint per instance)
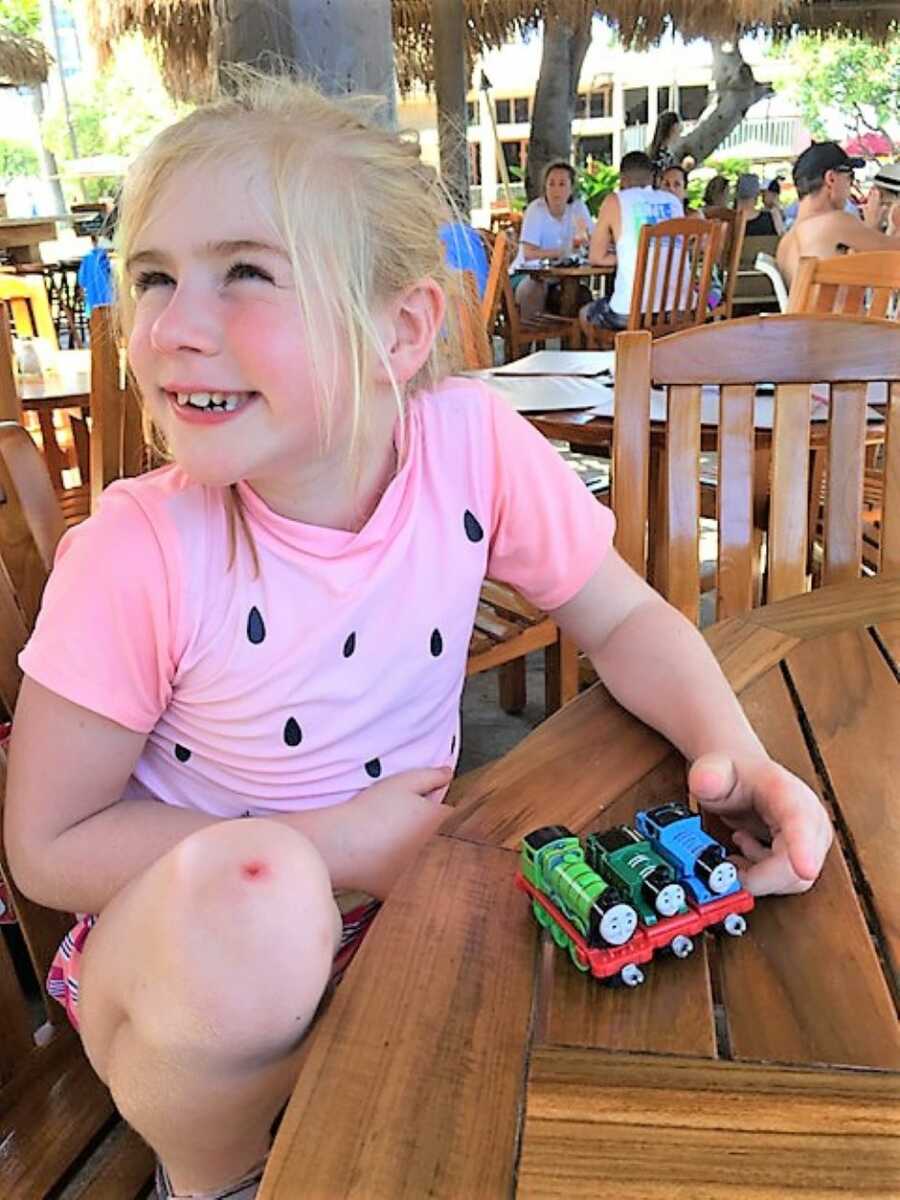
(197, 984)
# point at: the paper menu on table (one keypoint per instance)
(584, 363)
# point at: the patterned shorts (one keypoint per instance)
(357, 913)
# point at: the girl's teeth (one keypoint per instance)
(218, 401)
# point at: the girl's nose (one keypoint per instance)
(186, 323)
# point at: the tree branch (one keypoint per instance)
(737, 90)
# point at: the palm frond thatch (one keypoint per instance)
(23, 61)
(184, 32)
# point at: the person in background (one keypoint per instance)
(746, 197)
(616, 234)
(771, 199)
(674, 179)
(666, 134)
(716, 194)
(555, 225)
(823, 175)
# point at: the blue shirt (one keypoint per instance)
(465, 251)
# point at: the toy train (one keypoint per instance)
(632, 891)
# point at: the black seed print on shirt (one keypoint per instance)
(293, 734)
(373, 768)
(437, 642)
(182, 753)
(256, 630)
(453, 744)
(350, 644)
(474, 532)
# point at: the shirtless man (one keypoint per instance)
(823, 175)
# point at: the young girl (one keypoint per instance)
(240, 708)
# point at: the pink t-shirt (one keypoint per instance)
(344, 659)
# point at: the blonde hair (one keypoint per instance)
(355, 211)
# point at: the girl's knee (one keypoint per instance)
(230, 937)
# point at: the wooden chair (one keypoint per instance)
(118, 446)
(754, 289)
(790, 351)
(733, 242)
(31, 521)
(672, 277)
(58, 1120)
(865, 285)
(522, 336)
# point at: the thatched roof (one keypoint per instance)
(23, 61)
(183, 31)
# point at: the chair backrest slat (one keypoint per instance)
(673, 272)
(631, 448)
(118, 448)
(31, 522)
(13, 636)
(734, 224)
(843, 497)
(734, 501)
(10, 405)
(493, 292)
(683, 499)
(786, 556)
(473, 338)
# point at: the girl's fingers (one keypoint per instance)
(751, 848)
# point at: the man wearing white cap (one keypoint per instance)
(823, 174)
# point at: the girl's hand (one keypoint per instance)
(392, 820)
(780, 826)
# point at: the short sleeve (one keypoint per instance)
(549, 534)
(533, 224)
(104, 637)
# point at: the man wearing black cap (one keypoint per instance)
(823, 175)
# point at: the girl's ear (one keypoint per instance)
(412, 321)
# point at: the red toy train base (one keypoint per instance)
(671, 933)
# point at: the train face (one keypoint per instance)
(553, 860)
(699, 861)
(627, 860)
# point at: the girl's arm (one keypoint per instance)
(72, 842)
(658, 666)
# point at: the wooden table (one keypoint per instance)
(22, 236)
(569, 278)
(67, 387)
(464, 1056)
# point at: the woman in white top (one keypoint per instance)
(554, 225)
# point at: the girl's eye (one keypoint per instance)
(149, 279)
(243, 270)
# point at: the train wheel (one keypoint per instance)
(631, 975)
(559, 935)
(578, 957)
(681, 946)
(540, 914)
(734, 924)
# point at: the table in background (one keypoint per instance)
(464, 1056)
(68, 387)
(569, 278)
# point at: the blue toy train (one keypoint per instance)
(628, 892)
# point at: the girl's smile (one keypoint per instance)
(208, 408)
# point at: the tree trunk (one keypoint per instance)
(341, 45)
(448, 20)
(736, 91)
(562, 56)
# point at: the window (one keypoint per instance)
(600, 104)
(513, 153)
(471, 112)
(662, 99)
(598, 149)
(581, 104)
(521, 109)
(637, 109)
(693, 101)
(503, 112)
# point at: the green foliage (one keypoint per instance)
(595, 184)
(116, 112)
(851, 74)
(21, 17)
(16, 158)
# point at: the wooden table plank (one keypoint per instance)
(889, 634)
(784, 1000)
(412, 1083)
(852, 701)
(633, 1127)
